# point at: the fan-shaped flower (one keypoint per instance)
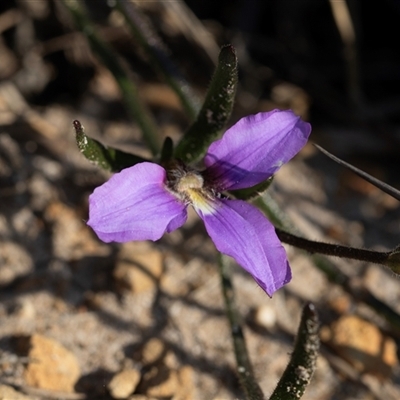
(145, 201)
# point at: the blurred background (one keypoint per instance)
(335, 63)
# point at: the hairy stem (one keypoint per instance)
(244, 368)
(303, 360)
(335, 250)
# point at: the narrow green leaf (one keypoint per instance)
(134, 106)
(253, 192)
(303, 361)
(105, 157)
(167, 151)
(158, 55)
(215, 111)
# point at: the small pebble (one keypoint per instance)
(124, 383)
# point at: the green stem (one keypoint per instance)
(244, 368)
(134, 106)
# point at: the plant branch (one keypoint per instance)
(278, 218)
(335, 250)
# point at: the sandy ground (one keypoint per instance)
(154, 311)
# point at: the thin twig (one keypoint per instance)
(390, 190)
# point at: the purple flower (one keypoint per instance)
(145, 201)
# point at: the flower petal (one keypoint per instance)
(134, 205)
(255, 148)
(241, 231)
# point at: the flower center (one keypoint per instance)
(190, 181)
(189, 186)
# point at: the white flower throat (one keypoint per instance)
(188, 185)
